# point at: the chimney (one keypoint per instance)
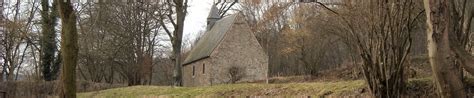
(213, 17)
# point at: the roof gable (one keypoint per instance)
(210, 40)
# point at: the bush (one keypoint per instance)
(235, 74)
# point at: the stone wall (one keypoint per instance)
(201, 73)
(238, 48)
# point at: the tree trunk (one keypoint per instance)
(460, 42)
(2, 23)
(440, 22)
(69, 49)
(177, 40)
(47, 40)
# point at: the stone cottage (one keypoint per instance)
(227, 45)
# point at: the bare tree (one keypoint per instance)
(15, 39)
(2, 31)
(448, 35)
(48, 41)
(69, 48)
(380, 33)
(266, 20)
(287, 32)
(175, 14)
(460, 40)
(122, 38)
(224, 7)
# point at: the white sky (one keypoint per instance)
(195, 21)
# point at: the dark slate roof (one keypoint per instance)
(210, 40)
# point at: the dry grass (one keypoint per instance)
(248, 89)
(415, 87)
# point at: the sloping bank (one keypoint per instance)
(415, 87)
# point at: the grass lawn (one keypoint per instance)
(414, 87)
(248, 89)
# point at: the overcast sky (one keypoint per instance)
(195, 21)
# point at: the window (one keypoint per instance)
(203, 68)
(194, 70)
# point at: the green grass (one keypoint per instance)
(248, 89)
(415, 87)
